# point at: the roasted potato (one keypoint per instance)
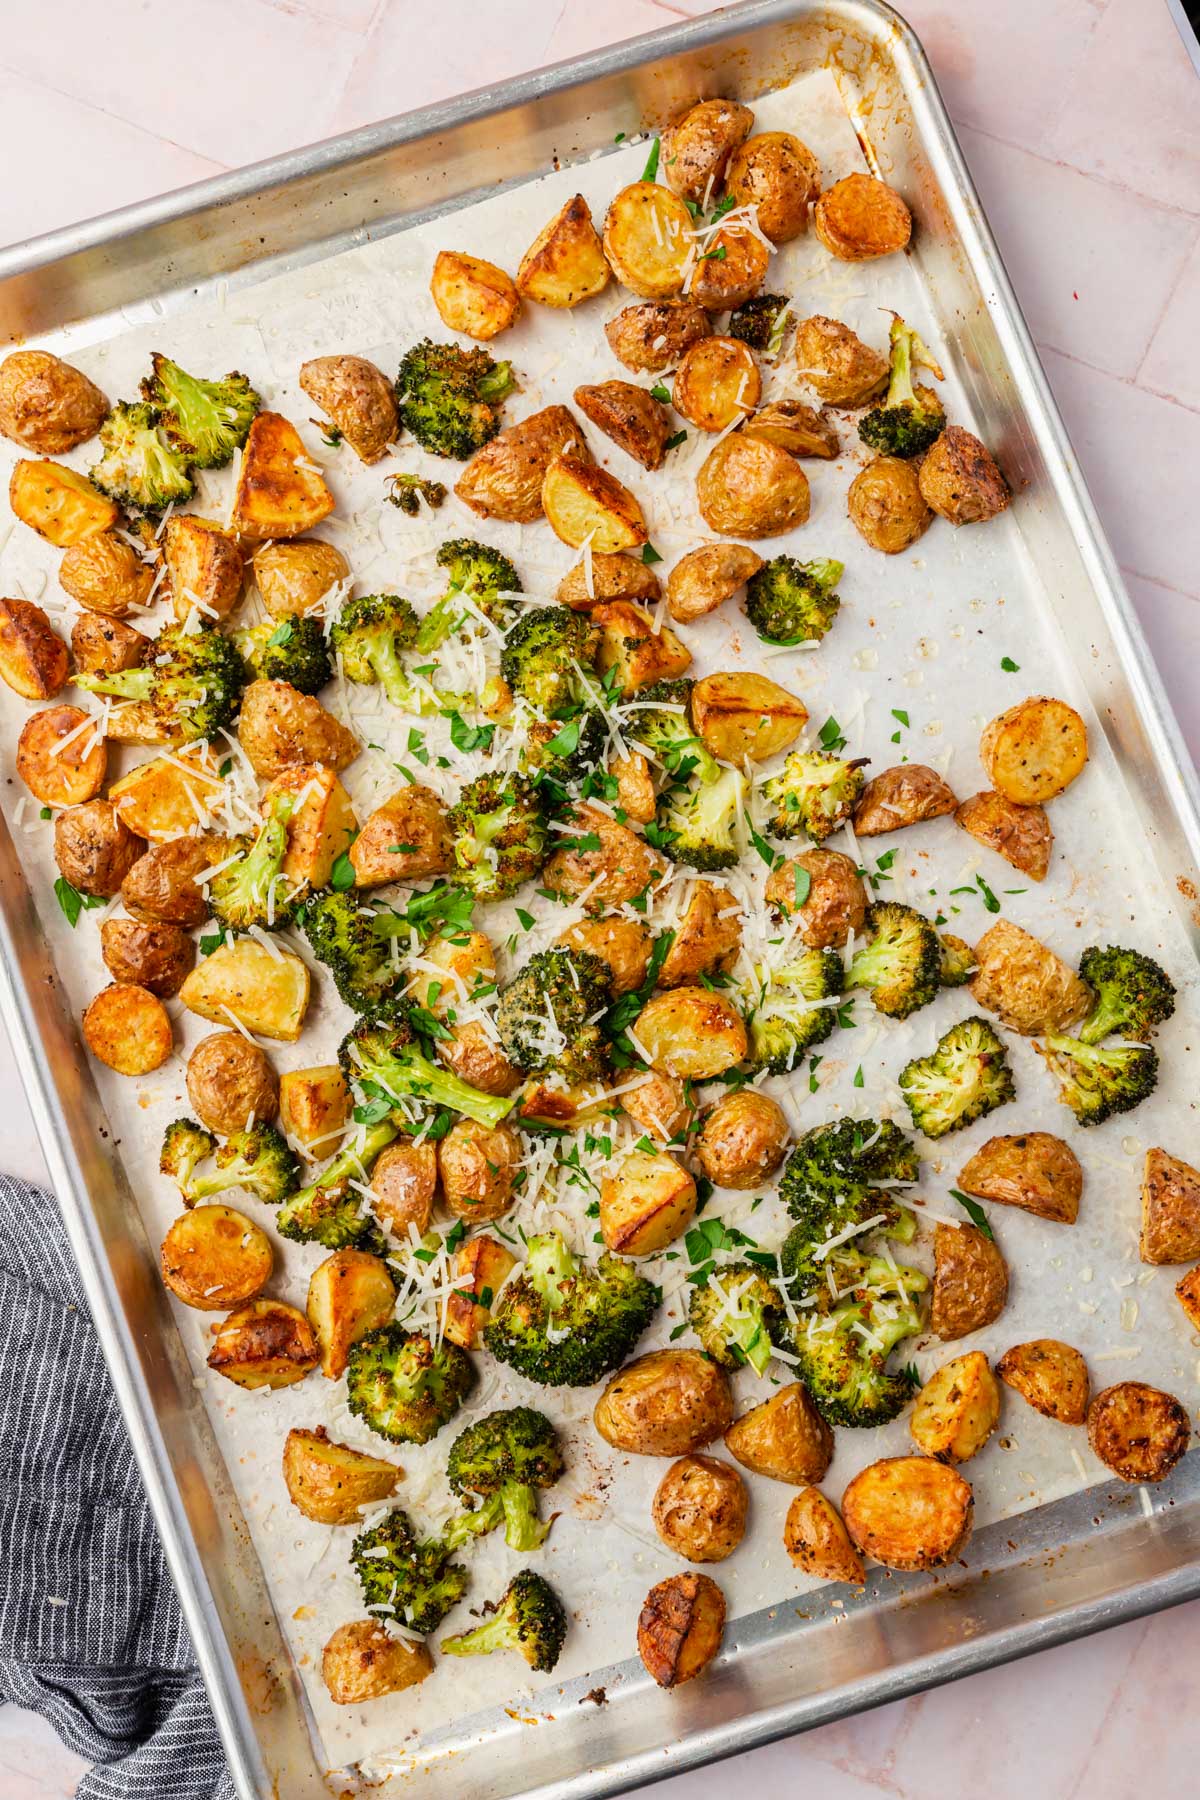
(322, 823)
(565, 263)
(1032, 1170)
(960, 480)
(297, 577)
(331, 1483)
(659, 1104)
(624, 944)
(165, 886)
(349, 1294)
(403, 1184)
(1170, 1209)
(488, 1264)
(781, 177)
(784, 1437)
(730, 270)
(613, 577)
(860, 218)
(474, 296)
(264, 1343)
(47, 405)
(479, 1166)
(647, 240)
(205, 567)
(627, 863)
(631, 644)
(1137, 1431)
(824, 891)
(33, 658)
(704, 578)
(94, 848)
(1020, 834)
(405, 839)
(364, 1662)
(680, 1628)
(838, 366)
(61, 756)
(103, 646)
(742, 1140)
(907, 794)
(157, 957)
(653, 336)
(1051, 1376)
(126, 1027)
(582, 501)
(716, 381)
(742, 715)
(796, 428)
(957, 1409)
(213, 1258)
(358, 398)
(314, 1107)
(697, 148)
(279, 726)
(885, 505)
(909, 1512)
(818, 1542)
(970, 1281)
(263, 990)
(1187, 1292)
(107, 575)
(170, 795)
(1025, 984)
(691, 1032)
(504, 479)
(646, 1202)
(709, 931)
(635, 797)
(230, 1081)
(1034, 750)
(58, 503)
(281, 492)
(635, 421)
(747, 487)
(666, 1403)
(699, 1509)
(476, 1058)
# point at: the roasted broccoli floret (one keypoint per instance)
(958, 960)
(734, 1314)
(257, 1159)
(185, 1145)
(659, 720)
(557, 751)
(843, 1352)
(548, 1015)
(966, 1077)
(482, 575)
(406, 1578)
(813, 794)
(371, 634)
(901, 965)
(354, 941)
(528, 1617)
(404, 1386)
(253, 890)
(329, 1210)
(787, 1009)
(505, 1458)
(498, 830)
(566, 1323)
(700, 823)
(408, 491)
(449, 398)
(206, 421)
(760, 322)
(1133, 994)
(291, 649)
(1097, 1081)
(140, 468)
(192, 680)
(845, 1173)
(382, 1058)
(548, 660)
(909, 418)
(792, 602)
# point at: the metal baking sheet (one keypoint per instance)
(809, 1658)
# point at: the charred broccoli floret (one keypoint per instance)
(371, 635)
(257, 1160)
(404, 1386)
(528, 1618)
(329, 1210)
(498, 830)
(206, 421)
(548, 660)
(505, 1458)
(140, 468)
(559, 751)
(566, 1323)
(354, 941)
(548, 1015)
(909, 418)
(659, 720)
(958, 960)
(290, 649)
(813, 794)
(253, 890)
(735, 1314)
(700, 823)
(843, 1352)
(845, 1173)
(966, 1077)
(787, 1009)
(760, 322)
(482, 575)
(901, 965)
(1133, 994)
(1097, 1081)
(408, 491)
(792, 602)
(449, 398)
(382, 1058)
(406, 1578)
(185, 1145)
(192, 680)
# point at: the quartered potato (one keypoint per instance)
(94, 848)
(205, 567)
(321, 826)
(279, 726)
(818, 1542)
(796, 428)
(647, 1202)
(624, 862)
(230, 1081)
(1187, 1292)
(504, 479)
(403, 1184)
(479, 1167)
(58, 503)
(824, 891)
(297, 577)
(659, 1104)
(691, 1032)
(635, 797)
(705, 578)
(960, 480)
(709, 931)
(106, 574)
(481, 1267)
(624, 944)
(1020, 834)
(127, 1028)
(474, 1057)
(331, 1483)
(613, 577)
(1138, 1431)
(909, 1512)
(103, 646)
(784, 1438)
(264, 1343)
(169, 795)
(908, 794)
(405, 839)
(157, 957)
(1034, 750)
(647, 240)
(358, 398)
(47, 405)
(716, 381)
(1025, 984)
(1033, 1170)
(266, 992)
(666, 1403)
(747, 487)
(886, 505)
(314, 1108)
(474, 296)
(1170, 1209)
(349, 1294)
(281, 492)
(33, 658)
(699, 1509)
(781, 177)
(635, 421)
(581, 501)
(680, 1628)
(631, 645)
(165, 884)
(970, 1281)
(653, 336)
(957, 1410)
(213, 1258)
(743, 1140)
(1050, 1375)
(696, 149)
(565, 262)
(740, 715)
(61, 757)
(837, 364)
(860, 218)
(364, 1662)
(730, 269)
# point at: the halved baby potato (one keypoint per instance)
(264, 1343)
(205, 567)
(1170, 1209)
(94, 848)
(750, 488)
(705, 578)
(624, 944)
(281, 493)
(774, 172)
(709, 931)
(784, 1437)
(817, 1541)
(297, 577)
(1020, 834)
(957, 1410)
(565, 263)
(33, 658)
(1187, 1292)
(743, 1140)
(696, 149)
(909, 1512)
(364, 1662)
(659, 1104)
(907, 794)
(157, 957)
(266, 991)
(1050, 1375)
(622, 868)
(230, 1081)
(481, 1266)
(128, 1029)
(321, 825)
(403, 1185)
(47, 405)
(213, 1258)
(358, 398)
(279, 726)
(405, 839)
(886, 506)
(1028, 987)
(630, 415)
(1033, 1170)
(331, 1483)
(716, 381)
(582, 501)
(61, 757)
(314, 1107)
(349, 1294)
(632, 647)
(970, 1281)
(613, 577)
(106, 574)
(653, 336)
(168, 796)
(730, 269)
(680, 1628)
(1138, 1431)
(504, 479)
(796, 428)
(103, 646)
(646, 1203)
(58, 503)
(666, 1403)
(860, 218)
(740, 715)
(1034, 750)
(691, 1032)
(648, 239)
(960, 480)
(824, 892)
(475, 297)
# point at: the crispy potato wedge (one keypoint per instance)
(264, 1343)
(886, 506)
(960, 481)
(475, 297)
(1020, 834)
(157, 957)
(632, 645)
(659, 1104)
(837, 364)
(267, 993)
(1034, 750)
(691, 1032)
(1050, 1375)
(697, 148)
(364, 1662)
(635, 421)
(582, 501)
(33, 658)
(281, 492)
(314, 1108)
(970, 1281)
(127, 1028)
(94, 849)
(731, 270)
(349, 1294)
(743, 1140)
(704, 578)
(716, 381)
(624, 944)
(909, 1512)
(468, 1308)
(565, 263)
(1170, 1209)
(205, 567)
(908, 794)
(627, 863)
(747, 487)
(405, 839)
(358, 398)
(957, 1410)
(740, 715)
(1138, 1431)
(796, 428)
(504, 480)
(613, 577)
(774, 172)
(824, 891)
(818, 1542)
(699, 1509)
(647, 240)
(784, 1437)
(106, 574)
(1028, 987)
(680, 1628)
(321, 826)
(331, 1483)
(168, 796)
(647, 1202)
(279, 726)
(666, 1403)
(297, 577)
(47, 405)
(479, 1166)
(213, 1258)
(860, 218)
(103, 646)
(1033, 1170)
(58, 503)
(164, 884)
(653, 336)
(709, 931)
(1187, 1292)
(61, 757)
(230, 1081)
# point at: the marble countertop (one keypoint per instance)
(1081, 122)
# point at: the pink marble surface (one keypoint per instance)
(1081, 122)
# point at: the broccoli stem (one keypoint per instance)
(349, 1161)
(494, 1634)
(523, 1530)
(125, 684)
(549, 1263)
(464, 1527)
(412, 1075)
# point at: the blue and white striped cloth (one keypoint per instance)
(91, 1635)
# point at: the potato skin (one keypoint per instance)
(565, 263)
(362, 1662)
(908, 794)
(704, 578)
(628, 864)
(487, 1263)
(359, 399)
(156, 957)
(65, 777)
(818, 1542)
(471, 1055)
(708, 933)
(106, 575)
(836, 363)
(960, 480)
(126, 1027)
(717, 379)
(504, 479)
(784, 1438)
(886, 506)
(743, 1140)
(478, 1166)
(680, 1628)
(666, 1403)
(33, 658)
(749, 488)
(647, 1202)
(1170, 1210)
(835, 905)
(1020, 834)
(1034, 750)
(779, 175)
(647, 238)
(473, 295)
(403, 1184)
(699, 1509)
(161, 886)
(659, 1105)
(635, 787)
(743, 714)
(331, 1483)
(205, 567)
(722, 281)
(653, 336)
(414, 817)
(94, 848)
(957, 1409)
(278, 726)
(909, 1512)
(697, 148)
(615, 576)
(624, 944)
(264, 1343)
(47, 405)
(1033, 1170)
(1138, 1431)
(103, 646)
(296, 576)
(1050, 1375)
(635, 421)
(229, 1081)
(213, 1258)
(691, 1032)
(970, 1282)
(1028, 987)
(860, 218)
(797, 428)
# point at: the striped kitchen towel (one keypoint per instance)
(91, 1635)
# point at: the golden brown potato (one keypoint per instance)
(281, 492)
(780, 176)
(230, 1081)
(169, 796)
(957, 1410)
(908, 794)
(624, 944)
(547, 1100)
(647, 1202)
(696, 149)
(784, 1438)
(264, 1343)
(1170, 1209)
(330, 1482)
(164, 884)
(405, 839)
(504, 480)
(126, 1027)
(702, 579)
(625, 861)
(474, 296)
(1138, 1431)
(680, 1628)
(474, 1057)
(103, 646)
(1034, 750)
(358, 398)
(860, 218)
(960, 480)
(213, 1258)
(157, 957)
(264, 990)
(730, 270)
(58, 503)
(1050, 1375)
(909, 1512)
(614, 577)
(481, 1267)
(33, 658)
(818, 1542)
(1187, 1292)
(691, 1032)
(741, 715)
(635, 421)
(349, 1294)
(1033, 1170)
(743, 1140)
(403, 1184)
(1020, 834)
(468, 961)
(321, 825)
(824, 891)
(647, 240)
(796, 428)
(565, 262)
(479, 1166)
(970, 1281)
(747, 487)
(94, 848)
(639, 651)
(653, 336)
(659, 1104)
(836, 363)
(699, 1509)
(47, 405)
(635, 797)
(582, 501)
(708, 933)
(1025, 984)
(666, 1403)
(716, 381)
(279, 726)
(364, 1662)
(61, 756)
(885, 505)
(205, 568)
(314, 1107)
(297, 577)
(107, 575)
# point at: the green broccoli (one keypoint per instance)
(958, 960)
(786, 1009)
(658, 720)
(791, 602)
(558, 751)
(354, 939)
(258, 1160)
(370, 635)
(909, 418)
(548, 1015)
(761, 322)
(498, 830)
(735, 1314)
(408, 491)
(253, 890)
(529, 1617)
(1133, 994)
(1098, 1081)
(565, 1323)
(549, 660)
(842, 1352)
(813, 794)
(205, 421)
(504, 1459)
(403, 1386)
(449, 398)
(330, 1210)
(140, 469)
(964, 1078)
(700, 823)
(185, 1145)
(847, 1172)
(290, 649)
(192, 681)
(405, 1578)
(901, 966)
(482, 575)
(382, 1058)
